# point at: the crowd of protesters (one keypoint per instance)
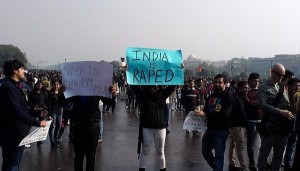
(248, 111)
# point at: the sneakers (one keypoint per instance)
(99, 140)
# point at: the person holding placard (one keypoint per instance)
(153, 121)
(85, 117)
(217, 109)
(14, 116)
(190, 99)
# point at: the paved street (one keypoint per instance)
(118, 150)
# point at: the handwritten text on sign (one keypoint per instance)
(87, 78)
(39, 134)
(194, 122)
(154, 66)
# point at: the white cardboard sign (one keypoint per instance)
(194, 122)
(39, 134)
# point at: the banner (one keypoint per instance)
(194, 122)
(39, 134)
(87, 78)
(154, 67)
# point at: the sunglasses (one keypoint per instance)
(278, 74)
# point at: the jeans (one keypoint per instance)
(55, 127)
(237, 145)
(290, 149)
(252, 141)
(278, 144)
(159, 136)
(11, 157)
(214, 140)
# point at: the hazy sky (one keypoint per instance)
(52, 30)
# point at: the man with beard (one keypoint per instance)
(217, 109)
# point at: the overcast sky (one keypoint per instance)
(52, 30)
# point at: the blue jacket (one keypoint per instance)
(14, 117)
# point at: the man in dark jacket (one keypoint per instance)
(85, 117)
(217, 109)
(14, 117)
(238, 128)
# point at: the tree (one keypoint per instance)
(115, 66)
(243, 75)
(205, 72)
(9, 52)
(226, 74)
(188, 72)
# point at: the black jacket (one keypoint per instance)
(218, 108)
(86, 109)
(153, 106)
(238, 114)
(56, 102)
(14, 117)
